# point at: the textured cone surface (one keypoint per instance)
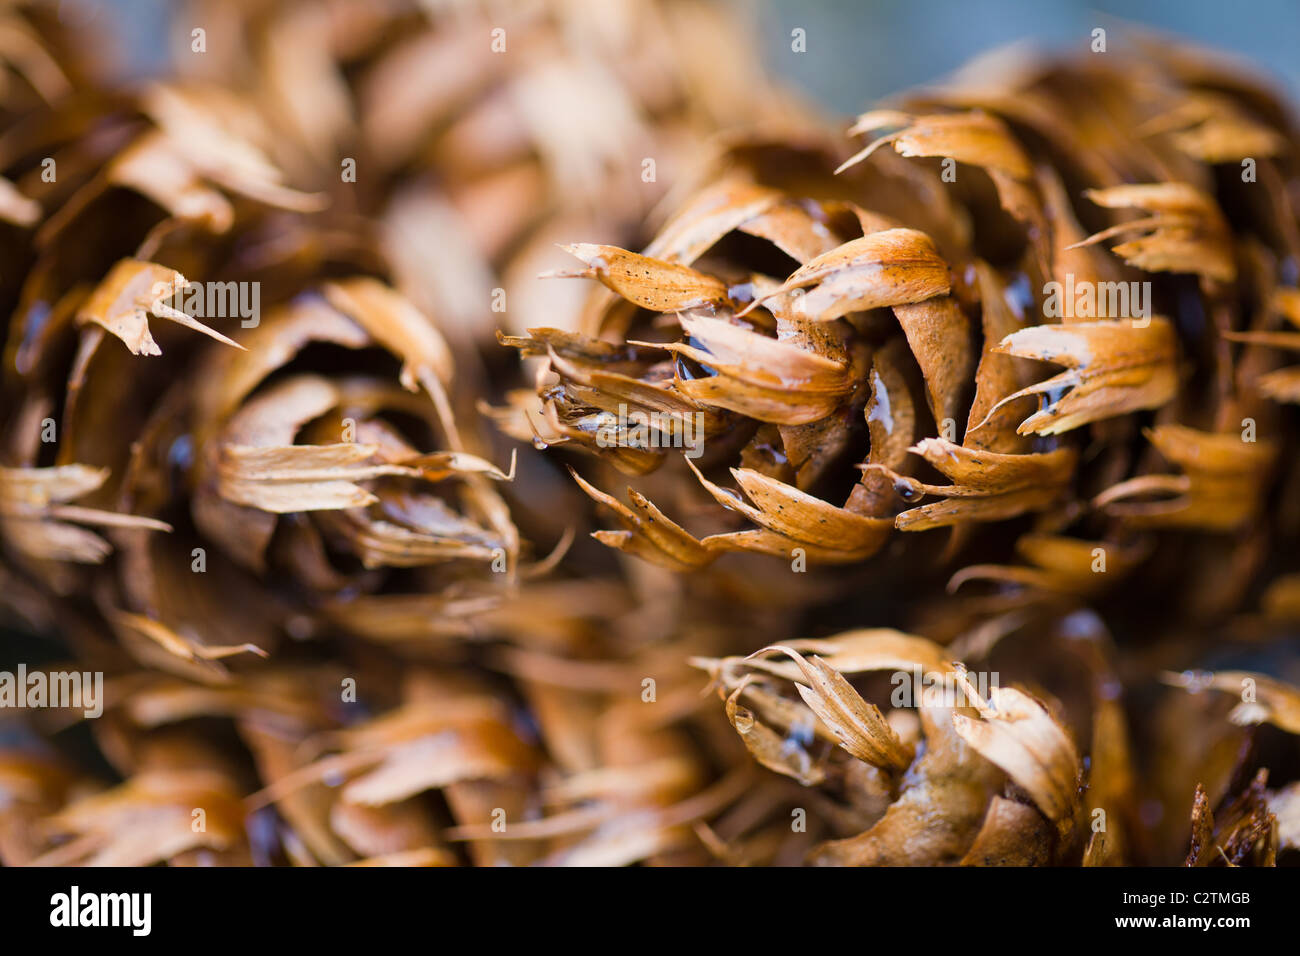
(1042, 316)
(244, 476)
(343, 617)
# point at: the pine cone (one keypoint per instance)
(479, 136)
(187, 491)
(850, 350)
(291, 540)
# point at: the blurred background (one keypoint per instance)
(859, 50)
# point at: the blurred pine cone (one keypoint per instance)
(849, 350)
(482, 135)
(234, 430)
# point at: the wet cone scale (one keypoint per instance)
(953, 456)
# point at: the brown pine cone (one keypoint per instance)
(849, 350)
(244, 479)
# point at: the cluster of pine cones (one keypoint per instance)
(963, 504)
